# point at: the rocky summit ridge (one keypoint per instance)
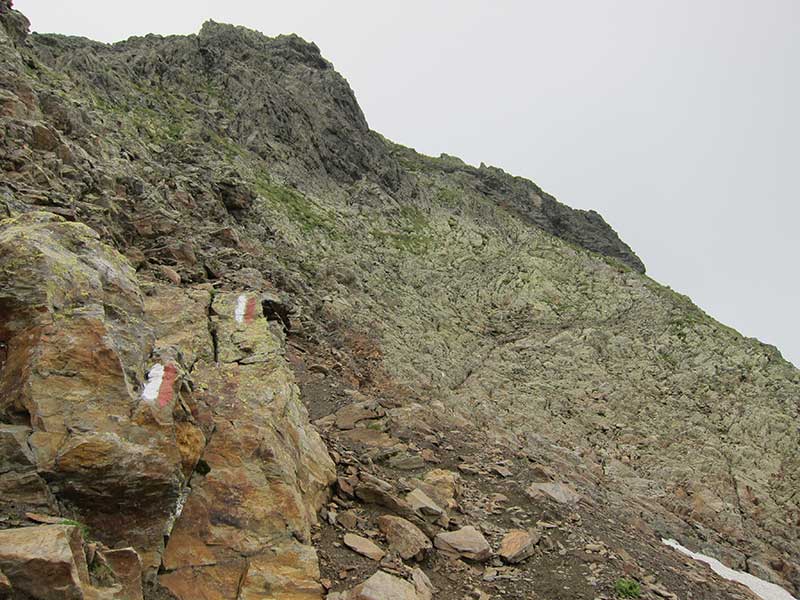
(251, 349)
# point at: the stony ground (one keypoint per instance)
(580, 549)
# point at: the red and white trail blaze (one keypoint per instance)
(245, 310)
(160, 383)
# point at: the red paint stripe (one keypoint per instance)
(165, 391)
(250, 310)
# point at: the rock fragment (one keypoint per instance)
(467, 542)
(422, 584)
(517, 545)
(423, 506)
(363, 546)
(45, 562)
(382, 586)
(352, 414)
(560, 492)
(404, 537)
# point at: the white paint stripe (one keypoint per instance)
(154, 377)
(241, 306)
(763, 589)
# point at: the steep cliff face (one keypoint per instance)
(179, 207)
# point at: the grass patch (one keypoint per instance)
(412, 234)
(448, 197)
(307, 215)
(627, 588)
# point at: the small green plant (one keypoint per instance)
(627, 588)
(82, 526)
(102, 573)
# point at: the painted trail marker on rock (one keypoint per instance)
(160, 380)
(245, 310)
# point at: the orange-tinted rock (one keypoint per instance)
(72, 316)
(191, 442)
(186, 550)
(517, 545)
(288, 572)
(404, 537)
(442, 486)
(127, 568)
(45, 562)
(217, 582)
(266, 471)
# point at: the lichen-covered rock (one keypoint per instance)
(179, 318)
(266, 471)
(72, 318)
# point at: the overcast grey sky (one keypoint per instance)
(676, 119)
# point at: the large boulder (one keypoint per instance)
(72, 387)
(265, 471)
(45, 563)
(53, 562)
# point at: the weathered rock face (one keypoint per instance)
(88, 434)
(76, 430)
(265, 471)
(50, 562)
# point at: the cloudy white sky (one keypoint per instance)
(678, 120)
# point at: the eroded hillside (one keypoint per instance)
(459, 316)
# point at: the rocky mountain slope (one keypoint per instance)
(226, 304)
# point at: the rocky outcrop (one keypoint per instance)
(90, 435)
(72, 320)
(264, 473)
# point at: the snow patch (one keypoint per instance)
(154, 378)
(762, 589)
(241, 306)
